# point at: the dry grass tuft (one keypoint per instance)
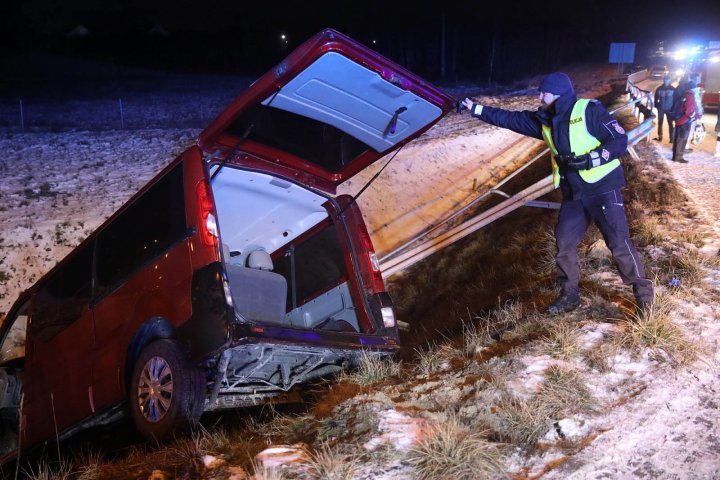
(534, 325)
(564, 393)
(483, 330)
(211, 441)
(435, 359)
(476, 337)
(45, 471)
(548, 250)
(692, 237)
(656, 331)
(597, 357)
(263, 472)
(329, 463)
(89, 466)
(372, 369)
(286, 427)
(646, 232)
(689, 268)
(453, 450)
(562, 341)
(522, 422)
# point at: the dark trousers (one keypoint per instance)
(662, 115)
(682, 133)
(608, 213)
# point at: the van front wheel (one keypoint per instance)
(166, 392)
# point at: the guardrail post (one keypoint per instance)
(22, 116)
(122, 115)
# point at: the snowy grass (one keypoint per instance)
(284, 427)
(372, 369)
(657, 331)
(562, 341)
(331, 463)
(520, 421)
(646, 231)
(564, 392)
(454, 450)
(264, 472)
(689, 268)
(436, 358)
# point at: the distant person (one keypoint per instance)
(664, 96)
(685, 112)
(585, 146)
(717, 136)
(698, 101)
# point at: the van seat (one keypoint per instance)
(260, 259)
(258, 294)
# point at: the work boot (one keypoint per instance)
(565, 303)
(659, 139)
(688, 150)
(644, 309)
(681, 160)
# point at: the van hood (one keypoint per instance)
(325, 113)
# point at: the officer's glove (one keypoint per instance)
(475, 108)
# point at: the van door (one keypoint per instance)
(60, 338)
(329, 110)
(142, 273)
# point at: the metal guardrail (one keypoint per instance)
(641, 99)
(403, 256)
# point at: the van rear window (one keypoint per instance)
(143, 231)
(319, 265)
(303, 137)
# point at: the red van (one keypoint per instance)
(232, 277)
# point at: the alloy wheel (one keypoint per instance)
(155, 389)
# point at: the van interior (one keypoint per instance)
(283, 256)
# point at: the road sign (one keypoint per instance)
(622, 53)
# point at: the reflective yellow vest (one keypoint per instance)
(581, 142)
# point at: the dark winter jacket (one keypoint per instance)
(664, 97)
(689, 108)
(612, 138)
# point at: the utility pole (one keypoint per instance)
(442, 44)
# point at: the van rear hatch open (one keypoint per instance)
(325, 113)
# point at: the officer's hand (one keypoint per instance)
(467, 103)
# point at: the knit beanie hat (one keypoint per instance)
(556, 83)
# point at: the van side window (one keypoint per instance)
(13, 345)
(143, 231)
(61, 298)
(319, 265)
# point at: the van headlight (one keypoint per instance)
(388, 317)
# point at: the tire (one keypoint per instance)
(166, 394)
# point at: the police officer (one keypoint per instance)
(585, 144)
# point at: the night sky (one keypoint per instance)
(498, 41)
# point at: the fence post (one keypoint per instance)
(22, 117)
(122, 115)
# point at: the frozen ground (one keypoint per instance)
(659, 422)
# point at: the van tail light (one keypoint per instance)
(206, 222)
(372, 263)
